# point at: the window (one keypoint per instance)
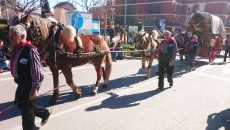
(175, 6)
(113, 2)
(201, 7)
(153, 8)
(189, 8)
(129, 1)
(152, 21)
(131, 9)
(153, 0)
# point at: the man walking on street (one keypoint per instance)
(25, 67)
(166, 53)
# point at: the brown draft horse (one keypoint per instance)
(145, 41)
(42, 39)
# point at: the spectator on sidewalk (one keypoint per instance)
(111, 34)
(3, 59)
(114, 54)
(121, 55)
(122, 32)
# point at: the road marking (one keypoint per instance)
(73, 69)
(90, 103)
(226, 70)
(210, 76)
(205, 67)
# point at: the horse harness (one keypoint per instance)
(54, 33)
(82, 55)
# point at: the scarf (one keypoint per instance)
(164, 41)
(22, 44)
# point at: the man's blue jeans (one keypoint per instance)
(190, 60)
(4, 66)
(114, 55)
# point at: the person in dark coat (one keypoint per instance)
(192, 52)
(227, 49)
(111, 34)
(167, 54)
(25, 67)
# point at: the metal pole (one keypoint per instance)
(125, 21)
(7, 16)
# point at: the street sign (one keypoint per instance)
(77, 20)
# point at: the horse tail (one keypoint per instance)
(108, 67)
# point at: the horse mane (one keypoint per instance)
(39, 32)
(69, 32)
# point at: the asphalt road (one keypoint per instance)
(199, 100)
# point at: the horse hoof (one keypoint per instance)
(104, 86)
(77, 96)
(93, 93)
(146, 77)
(52, 101)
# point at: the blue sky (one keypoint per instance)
(54, 2)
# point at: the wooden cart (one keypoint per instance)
(207, 27)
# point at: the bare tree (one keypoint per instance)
(176, 19)
(102, 11)
(85, 4)
(25, 6)
(141, 17)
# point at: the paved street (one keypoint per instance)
(199, 100)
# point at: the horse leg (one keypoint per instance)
(149, 67)
(69, 80)
(99, 71)
(55, 96)
(107, 71)
(143, 64)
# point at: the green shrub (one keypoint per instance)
(3, 31)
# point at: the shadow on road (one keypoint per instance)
(116, 102)
(127, 81)
(217, 120)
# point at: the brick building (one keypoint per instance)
(174, 12)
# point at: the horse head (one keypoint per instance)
(154, 34)
(142, 40)
(40, 31)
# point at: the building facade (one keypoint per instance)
(61, 9)
(174, 12)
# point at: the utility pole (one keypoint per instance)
(125, 21)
